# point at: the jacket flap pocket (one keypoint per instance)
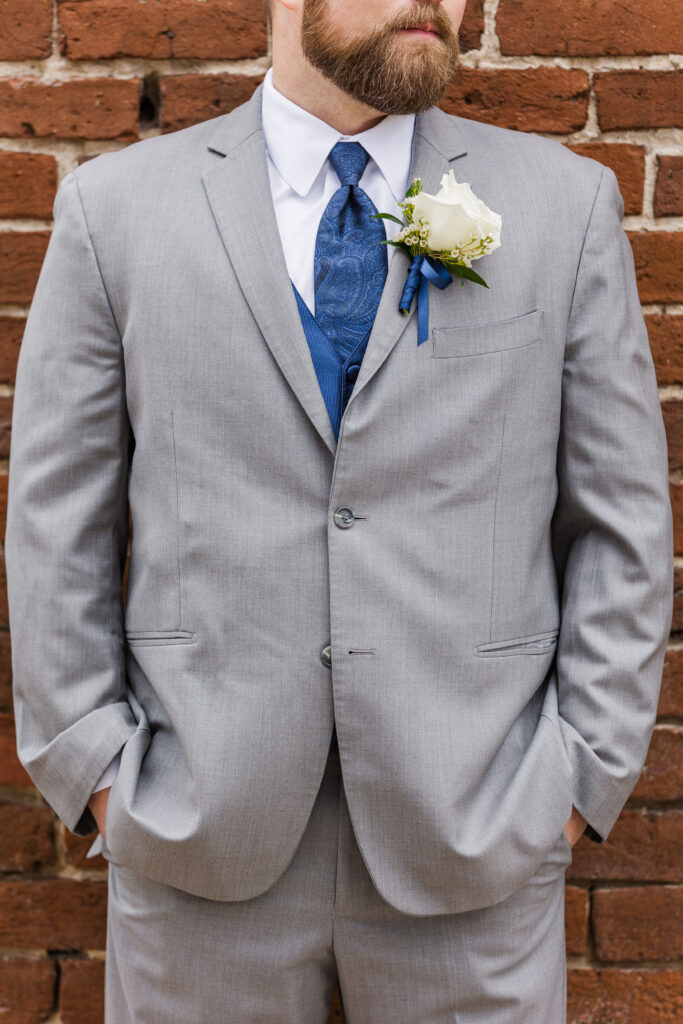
(496, 336)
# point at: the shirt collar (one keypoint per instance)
(298, 143)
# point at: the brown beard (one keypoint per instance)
(379, 69)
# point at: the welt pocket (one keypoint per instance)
(480, 339)
(158, 637)
(539, 643)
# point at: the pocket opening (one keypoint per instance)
(540, 643)
(476, 339)
(140, 637)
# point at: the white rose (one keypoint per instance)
(457, 219)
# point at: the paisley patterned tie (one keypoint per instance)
(350, 266)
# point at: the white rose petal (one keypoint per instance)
(456, 216)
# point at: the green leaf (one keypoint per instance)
(413, 188)
(389, 216)
(470, 274)
(467, 272)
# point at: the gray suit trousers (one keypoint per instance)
(174, 957)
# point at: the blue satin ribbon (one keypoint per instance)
(422, 270)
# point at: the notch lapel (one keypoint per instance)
(432, 150)
(238, 190)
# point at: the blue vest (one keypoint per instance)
(336, 376)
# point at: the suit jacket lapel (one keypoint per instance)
(238, 190)
(431, 153)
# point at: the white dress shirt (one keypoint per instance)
(302, 182)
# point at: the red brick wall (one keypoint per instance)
(78, 77)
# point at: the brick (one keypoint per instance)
(162, 29)
(82, 158)
(26, 837)
(81, 992)
(668, 200)
(76, 849)
(5, 424)
(21, 257)
(672, 411)
(640, 923)
(188, 99)
(676, 496)
(12, 772)
(628, 163)
(85, 108)
(26, 990)
(624, 996)
(666, 344)
(644, 846)
(533, 99)
(639, 99)
(662, 776)
(677, 618)
(11, 332)
(4, 607)
(671, 696)
(5, 644)
(28, 182)
(576, 919)
(336, 1016)
(588, 28)
(25, 29)
(471, 26)
(53, 913)
(658, 258)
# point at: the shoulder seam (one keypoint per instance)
(583, 244)
(95, 257)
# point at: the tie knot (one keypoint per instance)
(349, 160)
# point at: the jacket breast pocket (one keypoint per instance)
(158, 637)
(539, 643)
(482, 339)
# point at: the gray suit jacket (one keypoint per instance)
(498, 607)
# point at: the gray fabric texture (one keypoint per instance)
(498, 610)
(275, 958)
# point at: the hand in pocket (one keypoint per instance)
(98, 805)
(575, 827)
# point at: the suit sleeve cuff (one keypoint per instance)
(108, 776)
(598, 795)
(66, 770)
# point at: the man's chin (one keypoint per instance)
(408, 67)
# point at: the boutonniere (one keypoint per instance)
(443, 234)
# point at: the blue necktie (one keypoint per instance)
(350, 266)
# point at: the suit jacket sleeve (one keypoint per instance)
(108, 775)
(612, 526)
(67, 525)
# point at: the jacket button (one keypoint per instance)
(344, 517)
(326, 656)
